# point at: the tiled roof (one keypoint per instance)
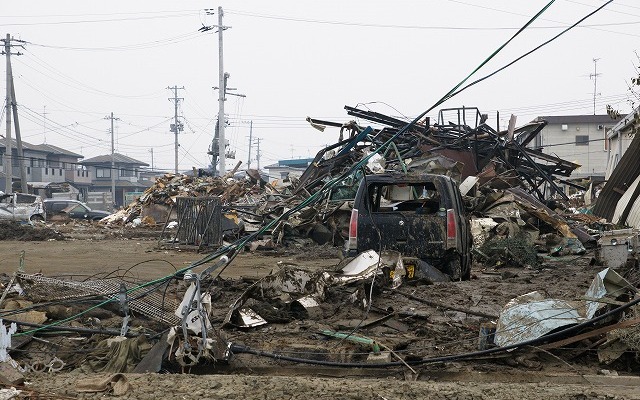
(118, 158)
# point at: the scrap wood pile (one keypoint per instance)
(170, 186)
(374, 310)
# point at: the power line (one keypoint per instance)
(587, 26)
(78, 84)
(85, 21)
(421, 27)
(145, 12)
(127, 47)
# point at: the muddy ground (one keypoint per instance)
(433, 331)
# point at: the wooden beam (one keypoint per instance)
(587, 335)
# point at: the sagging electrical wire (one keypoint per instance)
(377, 229)
(532, 50)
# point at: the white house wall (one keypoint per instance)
(592, 156)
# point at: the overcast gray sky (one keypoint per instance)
(292, 59)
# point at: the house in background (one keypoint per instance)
(619, 200)
(581, 139)
(620, 138)
(284, 168)
(127, 173)
(46, 164)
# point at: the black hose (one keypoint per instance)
(240, 349)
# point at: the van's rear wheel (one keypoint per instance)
(466, 273)
(454, 268)
(36, 218)
(458, 270)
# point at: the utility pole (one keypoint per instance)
(113, 162)
(44, 125)
(595, 76)
(222, 77)
(151, 150)
(258, 154)
(177, 126)
(221, 96)
(250, 142)
(8, 169)
(16, 124)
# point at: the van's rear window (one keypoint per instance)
(420, 197)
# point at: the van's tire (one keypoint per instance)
(466, 275)
(36, 218)
(454, 268)
(457, 270)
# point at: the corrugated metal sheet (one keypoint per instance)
(626, 172)
(634, 215)
(624, 201)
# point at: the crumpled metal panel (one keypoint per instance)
(606, 283)
(530, 316)
(627, 210)
(362, 264)
(627, 170)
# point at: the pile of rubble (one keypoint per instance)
(158, 200)
(317, 205)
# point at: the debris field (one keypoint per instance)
(552, 288)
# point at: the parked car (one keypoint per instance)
(73, 209)
(419, 216)
(21, 207)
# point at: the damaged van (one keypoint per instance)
(21, 207)
(420, 216)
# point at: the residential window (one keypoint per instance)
(28, 170)
(46, 171)
(582, 140)
(127, 172)
(103, 173)
(61, 172)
